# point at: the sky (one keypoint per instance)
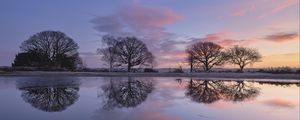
(166, 26)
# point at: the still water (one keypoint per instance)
(145, 98)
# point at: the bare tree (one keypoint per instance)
(207, 54)
(108, 51)
(133, 52)
(242, 56)
(55, 45)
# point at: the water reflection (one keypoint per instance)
(239, 91)
(49, 94)
(204, 91)
(145, 98)
(125, 93)
(208, 91)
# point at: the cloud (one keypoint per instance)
(141, 17)
(223, 39)
(107, 24)
(279, 102)
(240, 12)
(285, 4)
(282, 37)
(219, 35)
(281, 6)
(135, 18)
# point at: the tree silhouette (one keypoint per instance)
(55, 48)
(133, 52)
(129, 93)
(54, 96)
(109, 51)
(242, 56)
(207, 54)
(282, 84)
(30, 58)
(204, 91)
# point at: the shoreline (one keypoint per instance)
(125, 74)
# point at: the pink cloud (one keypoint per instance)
(250, 6)
(136, 18)
(223, 39)
(280, 7)
(219, 35)
(230, 42)
(285, 4)
(280, 102)
(148, 17)
(240, 12)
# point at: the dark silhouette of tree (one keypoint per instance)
(31, 58)
(109, 52)
(57, 50)
(239, 91)
(54, 96)
(207, 54)
(129, 93)
(133, 52)
(281, 84)
(242, 56)
(204, 91)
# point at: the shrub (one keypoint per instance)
(151, 70)
(178, 70)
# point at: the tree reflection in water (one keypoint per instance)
(281, 84)
(208, 91)
(239, 91)
(204, 91)
(125, 93)
(49, 95)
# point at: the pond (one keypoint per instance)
(146, 98)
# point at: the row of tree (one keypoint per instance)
(53, 49)
(206, 55)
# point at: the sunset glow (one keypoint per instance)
(166, 26)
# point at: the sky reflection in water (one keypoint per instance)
(129, 98)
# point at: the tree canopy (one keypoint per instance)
(205, 54)
(48, 49)
(242, 56)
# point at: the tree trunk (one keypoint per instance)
(129, 67)
(206, 68)
(241, 68)
(191, 69)
(110, 68)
